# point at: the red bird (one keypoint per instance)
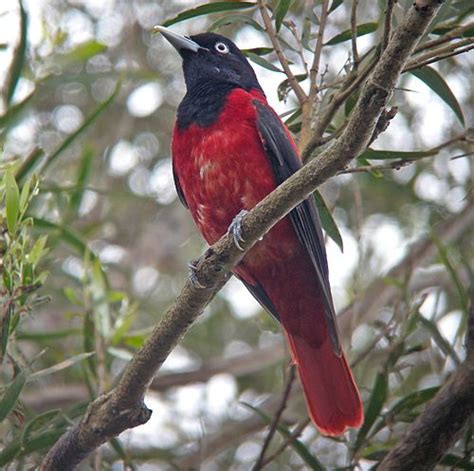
(230, 149)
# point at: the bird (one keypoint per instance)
(229, 150)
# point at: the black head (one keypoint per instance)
(210, 57)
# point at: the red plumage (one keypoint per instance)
(223, 168)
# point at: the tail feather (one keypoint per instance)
(331, 394)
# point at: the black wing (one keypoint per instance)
(179, 190)
(305, 217)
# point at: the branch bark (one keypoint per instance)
(123, 407)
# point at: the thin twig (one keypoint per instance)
(438, 58)
(355, 54)
(272, 34)
(273, 427)
(309, 106)
(440, 51)
(293, 436)
(352, 82)
(453, 34)
(314, 70)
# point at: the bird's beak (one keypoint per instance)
(179, 42)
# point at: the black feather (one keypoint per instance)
(305, 217)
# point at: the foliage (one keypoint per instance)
(94, 243)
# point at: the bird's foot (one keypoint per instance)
(192, 273)
(235, 229)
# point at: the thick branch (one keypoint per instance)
(123, 407)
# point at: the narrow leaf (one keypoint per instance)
(60, 366)
(47, 336)
(18, 56)
(327, 221)
(29, 164)
(298, 445)
(373, 408)
(12, 200)
(361, 30)
(82, 53)
(263, 62)
(373, 154)
(38, 422)
(85, 169)
(208, 8)
(234, 19)
(88, 121)
(11, 395)
(433, 79)
(280, 12)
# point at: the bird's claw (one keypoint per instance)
(235, 229)
(192, 268)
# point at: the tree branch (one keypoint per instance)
(439, 426)
(272, 34)
(123, 407)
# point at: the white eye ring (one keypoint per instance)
(221, 47)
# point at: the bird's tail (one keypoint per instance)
(331, 393)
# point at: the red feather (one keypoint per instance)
(222, 169)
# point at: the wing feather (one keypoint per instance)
(305, 217)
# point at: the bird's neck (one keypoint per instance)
(203, 103)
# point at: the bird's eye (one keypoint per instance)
(222, 48)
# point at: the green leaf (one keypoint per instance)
(457, 462)
(11, 395)
(10, 117)
(335, 4)
(38, 250)
(66, 234)
(285, 87)
(373, 407)
(60, 366)
(433, 79)
(298, 445)
(280, 12)
(263, 62)
(29, 164)
(259, 51)
(373, 154)
(38, 423)
(18, 57)
(25, 193)
(12, 196)
(327, 221)
(235, 19)
(415, 399)
(82, 52)
(87, 122)
(446, 261)
(438, 338)
(48, 335)
(361, 30)
(35, 443)
(85, 169)
(208, 8)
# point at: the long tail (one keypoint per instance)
(331, 393)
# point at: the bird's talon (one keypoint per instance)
(193, 275)
(235, 229)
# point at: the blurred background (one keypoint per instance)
(89, 96)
